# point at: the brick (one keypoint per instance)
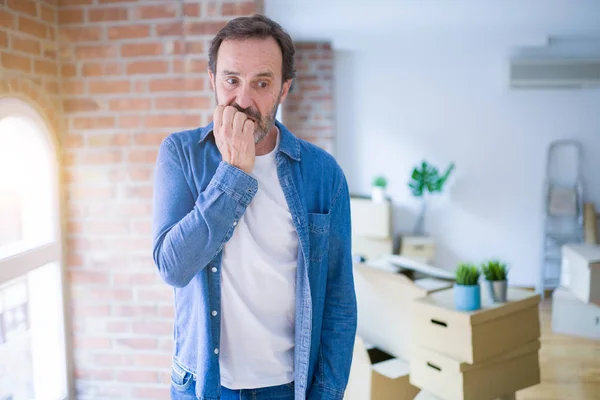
(130, 278)
(190, 65)
(25, 45)
(87, 52)
(144, 228)
(116, 1)
(178, 103)
(81, 34)
(135, 311)
(45, 67)
(70, 16)
(149, 139)
(15, 62)
(7, 20)
(238, 8)
(170, 29)
(74, 259)
(27, 7)
(205, 28)
(155, 294)
(171, 121)
(213, 9)
(130, 121)
(88, 277)
(86, 193)
(130, 104)
(140, 192)
(88, 293)
(109, 87)
(73, 87)
(176, 84)
(3, 40)
(66, 3)
(137, 376)
(137, 343)
(93, 122)
(118, 327)
(141, 49)
(128, 32)
(83, 342)
(152, 328)
(80, 105)
(195, 48)
(157, 11)
(94, 374)
(147, 67)
(52, 88)
(191, 10)
(108, 14)
(109, 140)
(101, 69)
(142, 156)
(108, 360)
(87, 310)
(152, 393)
(68, 70)
(32, 27)
(166, 312)
(48, 14)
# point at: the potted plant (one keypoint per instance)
(495, 273)
(467, 292)
(426, 179)
(378, 189)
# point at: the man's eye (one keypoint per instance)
(231, 81)
(263, 84)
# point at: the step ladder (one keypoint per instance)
(563, 209)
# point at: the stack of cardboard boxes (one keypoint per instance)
(576, 303)
(479, 355)
(371, 228)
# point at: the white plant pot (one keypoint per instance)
(377, 194)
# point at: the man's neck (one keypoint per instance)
(268, 143)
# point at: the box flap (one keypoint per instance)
(432, 284)
(401, 262)
(518, 299)
(392, 369)
(518, 352)
(589, 252)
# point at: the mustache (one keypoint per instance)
(249, 111)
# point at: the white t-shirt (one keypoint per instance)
(258, 282)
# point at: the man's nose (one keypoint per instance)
(243, 98)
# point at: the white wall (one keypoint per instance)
(432, 84)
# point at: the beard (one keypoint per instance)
(262, 124)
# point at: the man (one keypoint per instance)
(252, 228)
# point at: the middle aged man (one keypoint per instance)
(252, 228)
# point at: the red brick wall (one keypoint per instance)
(308, 110)
(28, 55)
(133, 72)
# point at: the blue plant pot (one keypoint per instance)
(467, 298)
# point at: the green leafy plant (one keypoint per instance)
(467, 274)
(427, 179)
(494, 270)
(380, 181)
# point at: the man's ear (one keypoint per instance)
(212, 79)
(285, 90)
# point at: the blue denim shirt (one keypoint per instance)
(198, 198)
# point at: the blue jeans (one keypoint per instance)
(183, 388)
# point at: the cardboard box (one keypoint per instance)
(370, 219)
(580, 271)
(384, 300)
(425, 395)
(371, 248)
(375, 375)
(451, 379)
(418, 247)
(571, 316)
(480, 335)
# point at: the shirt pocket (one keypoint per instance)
(318, 231)
(181, 379)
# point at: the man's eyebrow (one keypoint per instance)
(227, 72)
(266, 74)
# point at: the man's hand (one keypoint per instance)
(234, 134)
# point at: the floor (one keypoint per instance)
(570, 366)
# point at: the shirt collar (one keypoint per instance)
(288, 143)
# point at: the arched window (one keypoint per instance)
(32, 329)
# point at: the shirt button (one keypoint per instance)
(214, 269)
(216, 351)
(234, 223)
(214, 313)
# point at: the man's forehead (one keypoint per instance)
(250, 56)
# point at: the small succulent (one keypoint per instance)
(380, 181)
(494, 270)
(467, 274)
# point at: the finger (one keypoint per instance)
(238, 122)
(228, 115)
(248, 129)
(218, 116)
